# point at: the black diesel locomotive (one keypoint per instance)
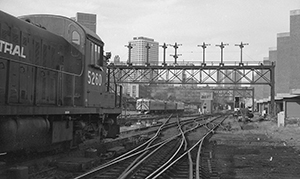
(54, 89)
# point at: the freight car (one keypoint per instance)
(53, 86)
(158, 106)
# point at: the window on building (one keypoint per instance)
(134, 91)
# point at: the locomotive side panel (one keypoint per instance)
(14, 45)
(3, 77)
(21, 53)
(62, 81)
(27, 73)
(94, 74)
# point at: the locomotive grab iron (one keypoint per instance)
(54, 88)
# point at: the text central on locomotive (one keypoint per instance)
(11, 49)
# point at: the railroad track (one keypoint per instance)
(191, 163)
(158, 159)
(119, 164)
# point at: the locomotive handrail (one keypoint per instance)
(46, 68)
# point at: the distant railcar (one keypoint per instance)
(158, 106)
(149, 105)
(180, 106)
(170, 106)
(53, 85)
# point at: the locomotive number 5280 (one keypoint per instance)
(94, 78)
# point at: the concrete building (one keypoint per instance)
(287, 56)
(87, 20)
(287, 60)
(139, 91)
(294, 49)
(283, 63)
(287, 83)
(143, 48)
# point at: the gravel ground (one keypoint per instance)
(256, 150)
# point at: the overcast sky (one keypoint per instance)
(187, 22)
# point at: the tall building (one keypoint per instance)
(295, 49)
(87, 20)
(287, 56)
(143, 48)
(283, 71)
(287, 59)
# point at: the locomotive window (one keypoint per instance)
(100, 59)
(96, 54)
(92, 53)
(76, 38)
(76, 42)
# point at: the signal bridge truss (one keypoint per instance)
(220, 74)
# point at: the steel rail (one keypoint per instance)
(131, 168)
(158, 172)
(148, 146)
(182, 133)
(148, 141)
(198, 160)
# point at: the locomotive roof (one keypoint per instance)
(43, 17)
(22, 25)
